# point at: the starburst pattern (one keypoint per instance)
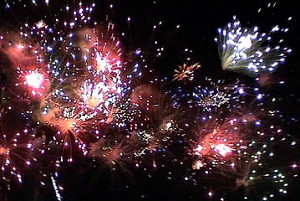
(186, 72)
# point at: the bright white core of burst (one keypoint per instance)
(34, 79)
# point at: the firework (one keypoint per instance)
(74, 71)
(93, 101)
(115, 149)
(242, 151)
(212, 97)
(186, 72)
(244, 50)
(15, 149)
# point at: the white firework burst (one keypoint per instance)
(248, 51)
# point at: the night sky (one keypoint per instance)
(167, 174)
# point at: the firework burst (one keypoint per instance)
(243, 50)
(186, 72)
(243, 150)
(92, 99)
(15, 149)
(212, 96)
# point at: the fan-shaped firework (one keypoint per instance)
(244, 50)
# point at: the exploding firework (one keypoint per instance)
(212, 97)
(244, 50)
(15, 148)
(116, 150)
(82, 67)
(186, 72)
(243, 151)
(93, 100)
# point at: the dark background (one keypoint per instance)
(198, 20)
